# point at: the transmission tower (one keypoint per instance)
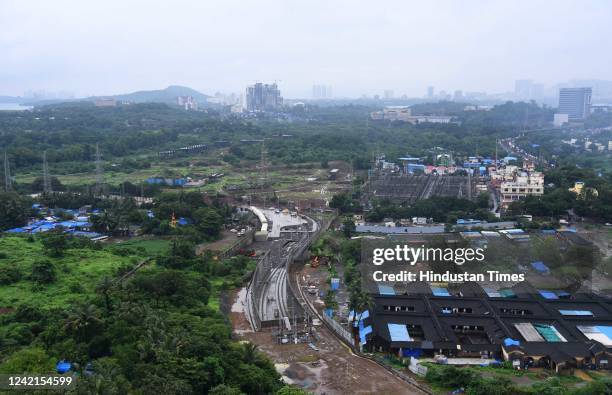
(99, 172)
(264, 162)
(7, 174)
(47, 187)
(264, 170)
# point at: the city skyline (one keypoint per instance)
(96, 50)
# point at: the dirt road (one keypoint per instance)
(333, 369)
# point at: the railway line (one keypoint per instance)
(268, 298)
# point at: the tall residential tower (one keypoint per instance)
(575, 102)
(263, 97)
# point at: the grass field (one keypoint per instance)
(77, 273)
(154, 246)
(116, 177)
(288, 180)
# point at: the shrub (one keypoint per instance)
(43, 272)
(9, 275)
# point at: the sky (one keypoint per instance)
(357, 47)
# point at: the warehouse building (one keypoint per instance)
(530, 327)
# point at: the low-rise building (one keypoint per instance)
(404, 114)
(522, 185)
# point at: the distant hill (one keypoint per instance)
(10, 99)
(167, 95)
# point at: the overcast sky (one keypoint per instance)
(108, 47)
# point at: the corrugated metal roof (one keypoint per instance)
(384, 289)
(439, 291)
(528, 332)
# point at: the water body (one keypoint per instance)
(13, 107)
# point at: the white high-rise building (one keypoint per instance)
(321, 91)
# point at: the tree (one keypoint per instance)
(38, 184)
(14, 210)
(9, 275)
(342, 202)
(360, 301)
(449, 376)
(28, 360)
(483, 200)
(289, 390)
(547, 250)
(83, 321)
(54, 243)
(330, 300)
(348, 228)
(104, 287)
(494, 385)
(107, 379)
(208, 221)
(43, 272)
(223, 389)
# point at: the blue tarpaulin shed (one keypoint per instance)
(412, 352)
(355, 316)
(17, 230)
(540, 267)
(511, 342)
(63, 367)
(363, 333)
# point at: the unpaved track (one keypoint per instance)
(339, 371)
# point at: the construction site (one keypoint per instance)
(273, 313)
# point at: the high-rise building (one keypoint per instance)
(389, 94)
(321, 91)
(537, 91)
(458, 96)
(575, 102)
(430, 92)
(263, 97)
(522, 89)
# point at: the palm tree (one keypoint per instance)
(363, 302)
(104, 287)
(82, 319)
(250, 353)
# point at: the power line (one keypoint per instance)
(7, 174)
(99, 172)
(264, 170)
(47, 187)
